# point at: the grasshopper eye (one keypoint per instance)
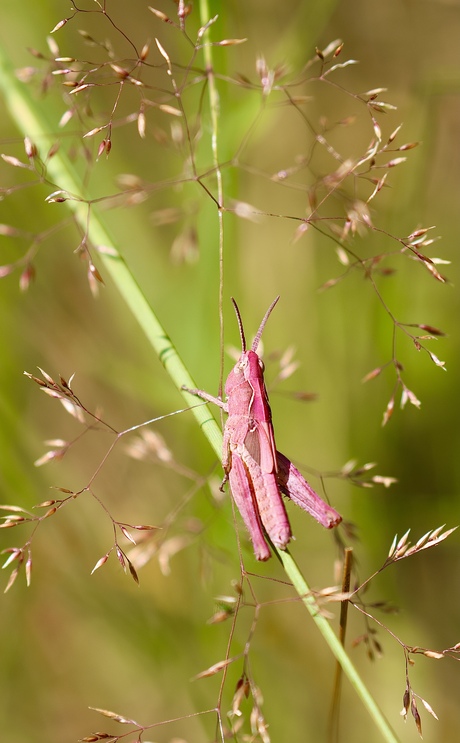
(241, 365)
(261, 365)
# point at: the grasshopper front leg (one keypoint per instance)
(206, 396)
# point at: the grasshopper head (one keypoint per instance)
(249, 366)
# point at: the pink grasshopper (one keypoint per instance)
(256, 471)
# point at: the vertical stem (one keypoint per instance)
(335, 707)
(214, 108)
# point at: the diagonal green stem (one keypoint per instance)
(30, 119)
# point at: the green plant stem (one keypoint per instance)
(214, 109)
(31, 121)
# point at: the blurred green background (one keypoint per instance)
(71, 641)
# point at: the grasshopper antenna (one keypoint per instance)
(256, 340)
(240, 325)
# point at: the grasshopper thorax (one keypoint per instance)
(249, 368)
